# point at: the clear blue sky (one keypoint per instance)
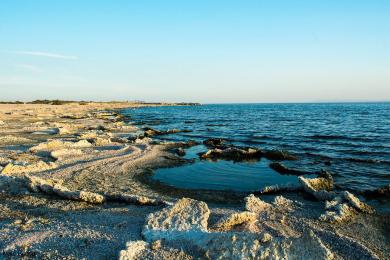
(203, 51)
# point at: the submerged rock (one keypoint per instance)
(282, 169)
(279, 155)
(383, 192)
(215, 143)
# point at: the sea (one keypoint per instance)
(350, 140)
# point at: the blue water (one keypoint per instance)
(353, 137)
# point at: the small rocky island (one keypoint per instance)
(74, 184)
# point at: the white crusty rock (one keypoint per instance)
(281, 187)
(58, 144)
(186, 216)
(134, 250)
(338, 213)
(64, 153)
(319, 187)
(229, 222)
(255, 205)
(356, 203)
(135, 199)
(10, 139)
(40, 185)
(28, 168)
(282, 203)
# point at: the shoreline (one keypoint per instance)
(83, 148)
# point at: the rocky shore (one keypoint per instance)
(74, 183)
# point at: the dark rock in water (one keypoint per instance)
(327, 163)
(383, 192)
(151, 132)
(214, 143)
(282, 169)
(279, 155)
(179, 151)
(232, 153)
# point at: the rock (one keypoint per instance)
(149, 132)
(279, 155)
(58, 144)
(37, 184)
(29, 168)
(232, 153)
(64, 153)
(338, 213)
(356, 203)
(215, 143)
(186, 215)
(134, 199)
(2, 123)
(134, 250)
(282, 203)
(50, 131)
(10, 139)
(282, 169)
(256, 205)
(229, 222)
(179, 152)
(383, 192)
(280, 188)
(319, 187)
(140, 250)
(303, 247)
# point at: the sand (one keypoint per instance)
(73, 186)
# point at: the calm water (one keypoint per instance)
(353, 137)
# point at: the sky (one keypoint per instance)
(208, 51)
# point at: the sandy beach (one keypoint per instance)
(74, 184)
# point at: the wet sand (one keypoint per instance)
(73, 185)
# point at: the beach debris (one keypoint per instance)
(255, 204)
